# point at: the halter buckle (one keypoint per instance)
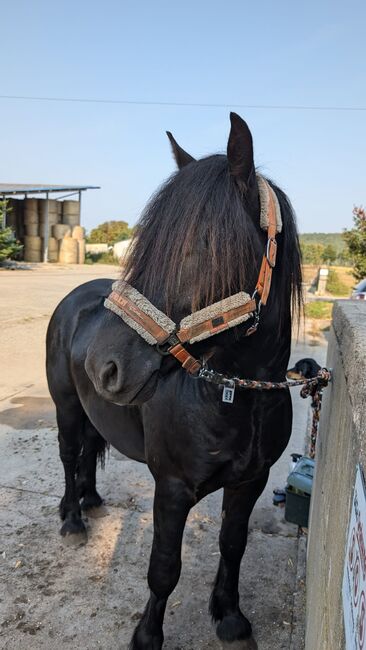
(271, 251)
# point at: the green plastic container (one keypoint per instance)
(298, 492)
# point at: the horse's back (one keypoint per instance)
(72, 327)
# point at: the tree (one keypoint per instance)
(356, 242)
(110, 232)
(9, 246)
(329, 254)
(312, 253)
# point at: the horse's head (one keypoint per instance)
(198, 241)
(122, 366)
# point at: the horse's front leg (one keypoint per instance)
(172, 503)
(224, 605)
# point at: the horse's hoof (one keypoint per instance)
(236, 632)
(74, 533)
(143, 641)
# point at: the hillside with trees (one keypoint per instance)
(325, 248)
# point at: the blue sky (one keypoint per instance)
(273, 53)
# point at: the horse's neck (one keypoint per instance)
(263, 355)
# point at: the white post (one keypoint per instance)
(46, 233)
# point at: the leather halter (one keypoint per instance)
(173, 338)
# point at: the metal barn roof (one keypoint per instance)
(15, 188)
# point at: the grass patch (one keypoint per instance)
(319, 309)
(335, 286)
(101, 258)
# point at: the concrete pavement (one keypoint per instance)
(91, 596)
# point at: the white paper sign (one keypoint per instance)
(354, 576)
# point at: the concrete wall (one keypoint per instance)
(341, 445)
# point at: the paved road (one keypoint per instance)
(59, 597)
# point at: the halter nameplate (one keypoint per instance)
(156, 328)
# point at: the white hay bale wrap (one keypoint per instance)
(32, 243)
(78, 232)
(97, 248)
(31, 229)
(60, 230)
(68, 251)
(31, 255)
(81, 251)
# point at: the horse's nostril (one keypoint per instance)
(110, 377)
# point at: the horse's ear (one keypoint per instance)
(240, 151)
(182, 158)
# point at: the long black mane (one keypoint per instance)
(199, 233)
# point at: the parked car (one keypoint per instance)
(359, 292)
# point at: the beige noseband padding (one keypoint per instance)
(265, 189)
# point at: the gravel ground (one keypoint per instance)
(55, 596)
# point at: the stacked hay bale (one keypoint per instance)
(71, 213)
(52, 249)
(64, 235)
(68, 251)
(59, 232)
(32, 239)
(52, 217)
(78, 233)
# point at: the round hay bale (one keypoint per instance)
(31, 229)
(32, 243)
(52, 245)
(60, 230)
(71, 207)
(52, 207)
(31, 255)
(68, 251)
(43, 228)
(31, 205)
(53, 256)
(78, 232)
(81, 251)
(30, 217)
(52, 218)
(71, 219)
(59, 208)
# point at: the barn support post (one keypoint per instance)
(79, 207)
(46, 231)
(3, 222)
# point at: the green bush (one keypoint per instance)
(335, 286)
(110, 232)
(319, 309)
(10, 248)
(356, 242)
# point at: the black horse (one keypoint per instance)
(198, 241)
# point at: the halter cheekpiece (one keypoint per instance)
(156, 328)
